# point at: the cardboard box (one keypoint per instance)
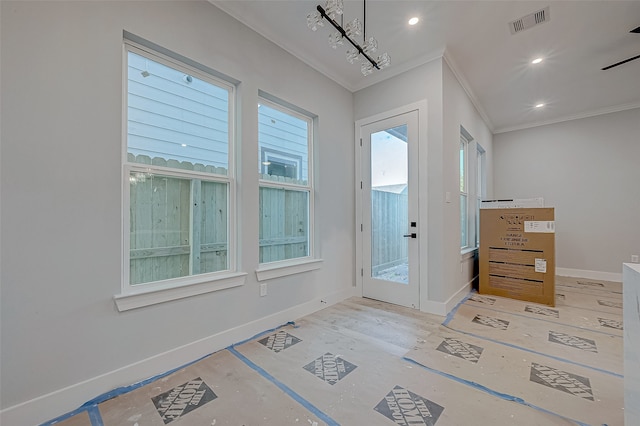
(517, 254)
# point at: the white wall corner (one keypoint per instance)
(443, 308)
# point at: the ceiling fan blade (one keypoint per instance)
(637, 31)
(621, 62)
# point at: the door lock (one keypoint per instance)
(413, 235)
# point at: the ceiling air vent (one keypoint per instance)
(529, 21)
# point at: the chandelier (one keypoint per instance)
(352, 29)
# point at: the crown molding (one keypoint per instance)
(571, 117)
(467, 89)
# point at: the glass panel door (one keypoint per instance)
(390, 230)
(389, 205)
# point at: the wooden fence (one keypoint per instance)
(284, 221)
(178, 226)
(284, 224)
(389, 222)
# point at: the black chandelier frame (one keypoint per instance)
(342, 31)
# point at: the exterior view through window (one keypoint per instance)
(464, 224)
(286, 196)
(177, 170)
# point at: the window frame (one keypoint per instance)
(268, 155)
(464, 190)
(144, 294)
(279, 268)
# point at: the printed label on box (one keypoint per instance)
(541, 265)
(540, 226)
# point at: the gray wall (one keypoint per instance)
(589, 170)
(61, 180)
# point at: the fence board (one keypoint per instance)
(389, 222)
(284, 224)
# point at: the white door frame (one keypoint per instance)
(421, 107)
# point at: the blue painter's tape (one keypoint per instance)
(125, 389)
(94, 416)
(306, 404)
(89, 406)
(451, 314)
(262, 333)
(92, 411)
(492, 392)
(557, 358)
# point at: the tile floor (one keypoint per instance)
(492, 361)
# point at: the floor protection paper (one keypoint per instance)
(598, 350)
(492, 361)
(357, 380)
(218, 390)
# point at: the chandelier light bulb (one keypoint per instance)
(353, 28)
(335, 39)
(366, 68)
(384, 61)
(370, 45)
(333, 8)
(314, 21)
(353, 55)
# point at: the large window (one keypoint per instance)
(472, 189)
(464, 192)
(286, 190)
(178, 174)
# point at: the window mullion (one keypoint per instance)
(196, 225)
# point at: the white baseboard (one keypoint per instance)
(443, 308)
(57, 403)
(593, 275)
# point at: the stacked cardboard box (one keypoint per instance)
(517, 253)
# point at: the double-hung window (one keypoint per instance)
(464, 192)
(179, 185)
(286, 184)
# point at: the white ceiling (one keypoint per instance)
(579, 39)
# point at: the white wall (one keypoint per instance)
(589, 170)
(448, 108)
(459, 111)
(62, 104)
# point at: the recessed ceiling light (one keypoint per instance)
(539, 105)
(414, 20)
(536, 61)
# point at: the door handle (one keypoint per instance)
(413, 235)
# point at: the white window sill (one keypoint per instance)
(282, 269)
(468, 253)
(147, 297)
